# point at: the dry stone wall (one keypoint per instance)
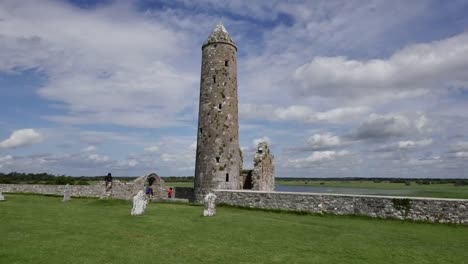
(120, 190)
(410, 208)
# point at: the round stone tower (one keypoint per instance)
(218, 158)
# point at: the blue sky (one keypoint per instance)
(338, 88)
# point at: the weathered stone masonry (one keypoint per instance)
(411, 208)
(120, 190)
(218, 160)
(263, 178)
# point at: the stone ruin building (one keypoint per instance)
(126, 190)
(263, 173)
(219, 158)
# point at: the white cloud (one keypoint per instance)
(294, 112)
(436, 66)
(152, 149)
(89, 149)
(102, 69)
(317, 156)
(461, 154)
(132, 163)
(97, 158)
(413, 144)
(21, 138)
(302, 113)
(324, 141)
(341, 114)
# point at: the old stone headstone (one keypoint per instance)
(139, 203)
(210, 206)
(2, 198)
(66, 193)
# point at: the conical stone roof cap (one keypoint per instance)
(219, 34)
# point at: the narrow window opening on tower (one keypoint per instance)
(224, 83)
(217, 159)
(201, 130)
(227, 177)
(220, 106)
(214, 79)
(226, 63)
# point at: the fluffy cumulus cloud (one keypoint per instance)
(21, 138)
(102, 69)
(324, 141)
(435, 66)
(317, 157)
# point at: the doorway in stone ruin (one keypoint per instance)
(246, 176)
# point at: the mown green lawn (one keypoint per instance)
(41, 229)
(178, 184)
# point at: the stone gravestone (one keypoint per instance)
(139, 203)
(66, 193)
(2, 198)
(210, 206)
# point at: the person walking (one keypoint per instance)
(108, 181)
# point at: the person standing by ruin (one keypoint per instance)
(108, 181)
(169, 192)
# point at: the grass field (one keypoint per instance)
(41, 229)
(445, 190)
(179, 184)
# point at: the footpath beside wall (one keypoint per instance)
(411, 208)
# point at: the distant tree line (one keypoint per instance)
(407, 181)
(46, 178)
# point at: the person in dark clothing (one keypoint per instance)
(149, 191)
(108, 181)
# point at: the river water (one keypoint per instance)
(315, 189)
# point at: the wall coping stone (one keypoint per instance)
(346, 195)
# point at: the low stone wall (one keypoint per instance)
(120, 190)
(184, 193)
(75, 190)
(411, 208)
